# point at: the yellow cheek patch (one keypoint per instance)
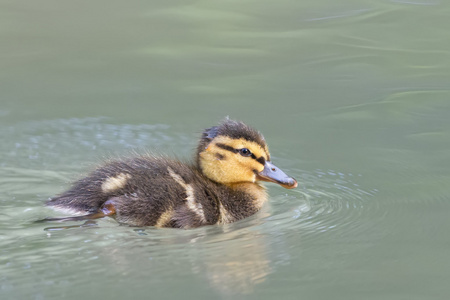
(221, 163)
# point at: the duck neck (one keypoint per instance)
(241, 200)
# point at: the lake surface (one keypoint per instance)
(353, 98)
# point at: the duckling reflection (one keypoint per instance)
(231, 259)
(241, 267)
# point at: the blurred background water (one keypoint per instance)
(352, 97)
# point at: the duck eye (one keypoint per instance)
(245, 152)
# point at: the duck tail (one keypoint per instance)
(82, 198)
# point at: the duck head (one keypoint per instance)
(236, 153)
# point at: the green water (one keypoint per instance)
(353, 98)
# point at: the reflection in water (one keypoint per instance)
(244, 263)
(85, 224)
(233, 260)
(240, 269)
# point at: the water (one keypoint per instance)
(352, 97)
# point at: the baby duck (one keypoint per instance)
(222, 186)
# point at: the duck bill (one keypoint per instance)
(274, 174)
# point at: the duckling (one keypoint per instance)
(221, 186)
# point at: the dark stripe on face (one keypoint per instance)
(261, 159)
(226, 147)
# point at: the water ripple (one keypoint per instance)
(328, 200)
